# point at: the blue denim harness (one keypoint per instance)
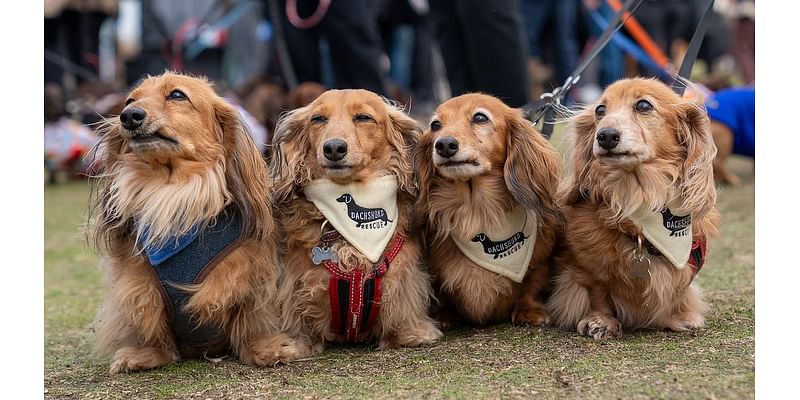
(188, 261)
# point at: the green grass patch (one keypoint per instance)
(503, 361)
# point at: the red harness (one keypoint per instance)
(356, 297)
(697, 256)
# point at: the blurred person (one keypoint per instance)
(66, 141)
(671, 24)
(744, 42)
(350, 29)
(411, 63)
(562, 17)
(72, 31)
(482, 46)
(612, 63)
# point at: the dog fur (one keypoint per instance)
(504, 162)
(189, 159)
(379, 137)
(664, 152)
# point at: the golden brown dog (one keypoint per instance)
(642, 181)
(479, 160)
(178, 164)
(347, 138)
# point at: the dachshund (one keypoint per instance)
(181, 216)
(348, 151)
(639, 207)
(481, 167)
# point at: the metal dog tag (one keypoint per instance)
(322, 254)
(640, 268)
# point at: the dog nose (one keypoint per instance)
(608, 138)
(334, 149)
(132, 118)
(446, 146)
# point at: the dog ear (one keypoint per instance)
(245, 172)
(581, 138)
(290, 146)
(402, 133)
(103, 227)
(533, 167)
(694, 131)
(422, 155)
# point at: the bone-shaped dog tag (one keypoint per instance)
(324, 253)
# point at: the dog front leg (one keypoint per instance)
(403, 319)
(131, 325)
(600, 323)
(529, 308)
(140, 358)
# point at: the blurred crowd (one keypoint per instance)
(269, 56)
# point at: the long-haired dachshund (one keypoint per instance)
(639, 208)
(182, 218)
(487, 185)
(344, 191)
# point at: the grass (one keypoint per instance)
(503, 361)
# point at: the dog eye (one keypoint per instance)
(643, 106)
(318, 119)
(600, 110)
(479, 118)
(362, 118)
(176, 95)
(129, 101)
(436, 125)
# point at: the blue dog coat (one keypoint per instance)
(736, 109)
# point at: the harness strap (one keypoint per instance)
(697, 256)
(355, 297)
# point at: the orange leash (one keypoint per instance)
(642, 37)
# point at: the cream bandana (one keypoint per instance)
(668, 230)
(507, 250)
(364, 213)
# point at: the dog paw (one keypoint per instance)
(600, 326)
(428, 333)
(271, 351)
(530, 315)
(684, 321)
(129, 359)
(446, 320)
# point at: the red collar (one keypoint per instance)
(355, 297)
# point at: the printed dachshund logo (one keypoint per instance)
(501, 249)
(365, 218)
(677, 224)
